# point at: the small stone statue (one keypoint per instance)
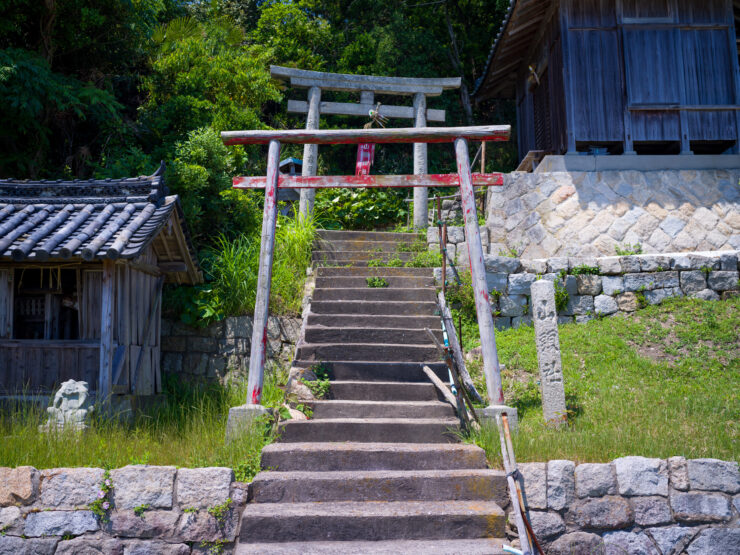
(71, 407)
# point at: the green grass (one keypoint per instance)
(187, 431)
(660, 383)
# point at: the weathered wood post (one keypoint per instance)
(480, 288)
(105, 377)
(240, 416)
(310, 152)
(421, 194)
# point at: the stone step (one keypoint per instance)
(371, 430)
(327, 282)
(486, 546)
(342, 408)
(367, 246)
(335, 235)
(372, 521)
(318, 352)
(380, 485)
(373, 371)
(406, 308)
(351, 257)
(374, 321)
(321, 334)
(360, 271)
(427, 294)
(326, 457)
(384, 391)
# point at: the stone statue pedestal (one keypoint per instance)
(490, 413)
(242, 417)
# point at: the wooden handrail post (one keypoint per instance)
(480, 289)
(262, 302)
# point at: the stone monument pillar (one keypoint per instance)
(310, 152)
(545, 320)
(421, 194)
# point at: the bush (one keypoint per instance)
(361, 208)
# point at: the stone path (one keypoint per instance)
(378, 469)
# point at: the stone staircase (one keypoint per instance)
(379, 467)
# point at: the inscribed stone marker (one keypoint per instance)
(548, 351)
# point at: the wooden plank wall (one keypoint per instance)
(6, 304)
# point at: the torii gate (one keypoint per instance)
(274, 181)
(367, 86)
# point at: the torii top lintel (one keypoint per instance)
(302, 78)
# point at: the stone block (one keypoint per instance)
(604, 513)
(650, 281)
(555, 265)
(433, 234)
(87, 545)
(679, 474)
(69, 488)
(239, 326)
(612, 285)
(571, 285)
(577, 543)
(149, 524)
(579, 304)
(659, 295)
(241, 417)
(498, 282)
(723, 281)
(565, 319)
(60, 523)
(560, 484)
(641, 476)
(502, 322)
(546, 525)
(633, 543)
(716, 540)
(519, 284)
(654, 263)
(705, 295)
(203, 487)
(671, 539)
(728, 261)
(588, 284)
(609, 265)
(595, 480)
(672, 225)
(534, 265)
(13, 545)
(693, 281)
(172, 363)
(583, 318)
(137, 485)
(501, 264)
(651, 510)
(462, 255)
(18, 485)
(518, 321)
(157, 547)
(455, 234)
(534, 476)
(700, 507)
(513, 305)
(491, 413)
(605, 305)
(630, 264)
(11, 521)
(627, 302)
(714, 475)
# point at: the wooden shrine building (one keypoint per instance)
(623, 77)
(82, 264)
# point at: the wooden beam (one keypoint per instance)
(369, 181)
(382, 135)
(346, 86)
(105, 376)
(350, 109)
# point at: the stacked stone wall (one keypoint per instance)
(623, 284)
(210, 353)
(153, 509)
(635, 505)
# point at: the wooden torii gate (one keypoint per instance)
(368, 86)
(274, 181)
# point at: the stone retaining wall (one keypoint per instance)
(153, 509)
(635, 505)
(623, 284)
(210, 353)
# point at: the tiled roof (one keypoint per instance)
(95, 219)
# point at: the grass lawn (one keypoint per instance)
(187, 432)
(662, 382)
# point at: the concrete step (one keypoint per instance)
(335, 235)
(367, 351)
(360, 271)
(348, 257)
(325, 282)
(367, 246)
(392, 308)
(371, 430)
(380, 485)
(384, 391)
(322, 334)
(427, 294)
(372, 521)
(326, 457)
(373, 321)
(374, 371)
(485, 546)
(342, 408)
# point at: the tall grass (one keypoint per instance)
(188, 431)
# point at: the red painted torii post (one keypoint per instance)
(464, 179)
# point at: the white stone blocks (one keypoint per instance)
(560, 484)
(641, 476)
(579, 305)
(501, 264)
(498, 282)
(651, 510)
(723, 281)
(519, 283)
(203, 487)
(693, 281)
(140, 484)
(546, 525)
(588, 284)
(70, 488)
(612, 285)
(700, 507)
(60, 523)
(714, 475)
(513, 305)
(534, 476)
(595, 480)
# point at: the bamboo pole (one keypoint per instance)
(262, 302)
(478, 271)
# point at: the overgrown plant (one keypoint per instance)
(585, 269)
(561, 295)
(376, 281)
(102, 505)
(425, 259)
(628, 249)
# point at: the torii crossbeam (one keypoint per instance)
(273, 181)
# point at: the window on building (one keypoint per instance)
(46, 304)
